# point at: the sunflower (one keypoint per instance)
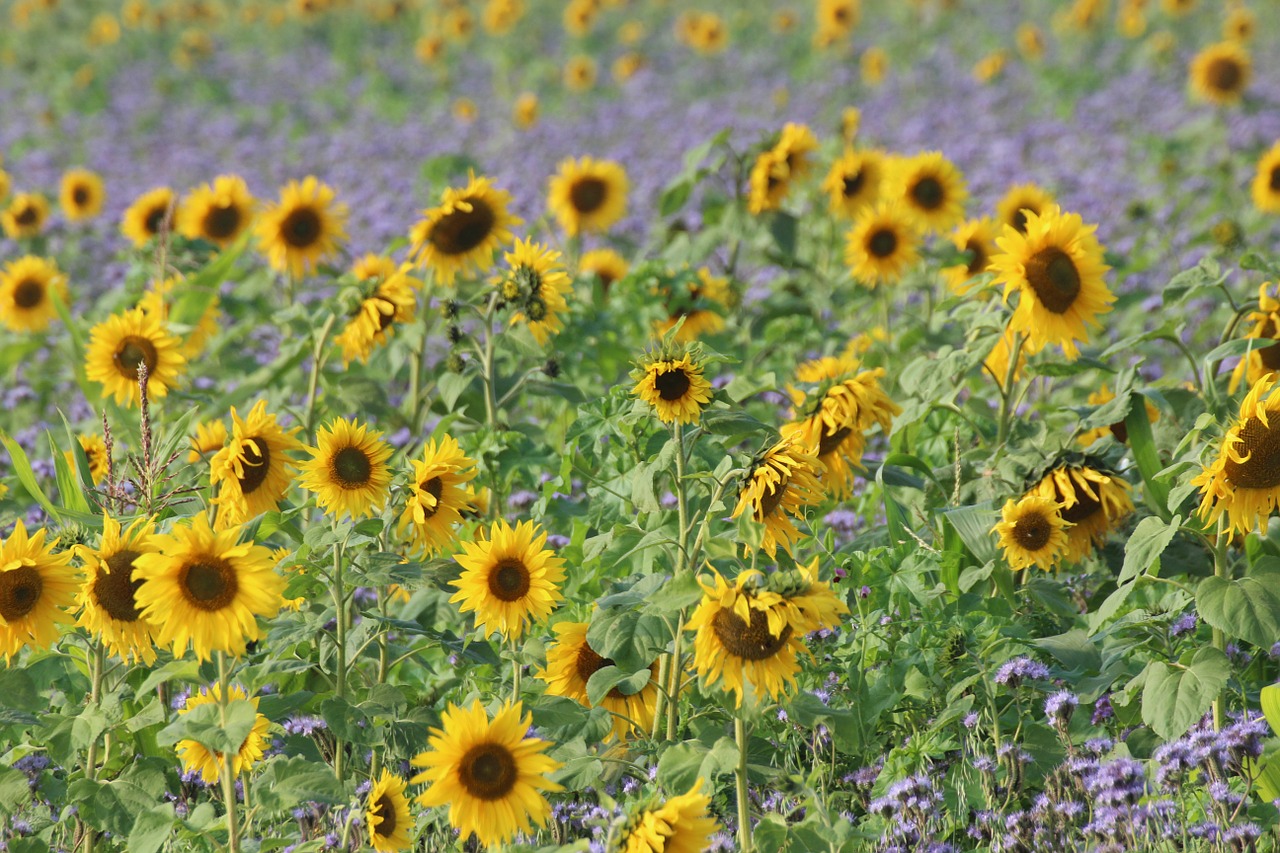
(1018, 200)
(387, 814)
(701, 307)
(24, 216)
(1057, 269)
(1030, 41)
(776, 169)
(465, 230)
(95, 452)
(579, 73)
(500, 16)
(252, 470)
(509, 579)
(605, 264)
(25, 305)
(838, 18)
(587, 196)
(150, 213)
(6, 183)
(1266, 181)
(673, 384)
(707, 33)
(304, 229)
(977, 239)
(1117, 430)
(524, 113)
(783, 480)
(204, 587)
(1089, 499)
(749, 634)
(392, 303)
(997, 361)
(209, 438)
(874, 66)
(1265, 359)
(1244, 480)
(535, 284)
(437, 495)
(882, 245)
(1221, 72)
(81, 195)
(680, 825)
(1239, 25)
(217, 213)
(1032, 533)
(931, 190)
(570, 664)
(627, 66)
(123, 342)
(108, 596)
(36, 588)
(158, 298)
(348, 469)
(490, 774)
(854, 181)
(198, 758)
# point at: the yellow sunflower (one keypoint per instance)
(1117, 430)
(209, 438)
(673, 384)
(977, 239)
(392, 303)
(1032, 533)
(1265, 328)
(1056, 267)
(570, 664)
(205, 587)
(1221, 72)
(701, 307)
(587, 196)
(627, 65)
(437, 495)
(95, 451)
(6, 184)
(24, 216)
(252, 472)
(509, 580)
(304, 230)
(371, 267)
(1239, 25)
(81, 195)
(198, 758)
(605, 264)
(1090, 500)
(681, 824)
(1266, 181)
(838, 18)
(579, 73)
(123, 342)
(1019, 200)
(217, 213)
(1030, 41)
(882, 245)
(25, 304)
(776, 170)
(854, 182)
(997, 361)
(348, 469)
(149, 214)
(783, 480)
(37, 587)
(387, 814)
(1243, 482)
(707, 34)
(464, 231)
(524, 113)
(930, 190)
(158, 298)
(535, 285)
(490, 775)
(108, 596)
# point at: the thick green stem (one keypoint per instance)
(664, 668)
(227, 775)
(340, 663)
(676, 669)
(96, 666)
(1220, 569)
(745, 843)
(317, 364)
(384, 657)
(515, 672)
(673, 684)
(1006, 391)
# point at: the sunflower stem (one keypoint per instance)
(1220, 569)
(1006, 391)
(515, 673)
(659, 708)
(228, 777)
(673, 686)
(490, 392)
(317, 364)
(95, 698)
(745, 844)
(340, 638)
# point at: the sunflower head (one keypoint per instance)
(1032, 533)
(121, 344)
(37, 587)
(26, 285)
(976, 239)
(81, 195)
(198, 758)
(1221, 72)
(387, 814)
(1265, 187)
(1089, 498)
(509, 579)
(1018, 201)
(930, 189)
(570, 664)
(150, 213)
(217, 213)
(304, 229)
(882, 245)
(524, 113)
(679, 824)
(95, 453)
(465, 230)
(24, 216)
(579, 73)
(252, 471)
(779, 484)
(854, 182)
(108, 595)
(535, 285)
(348, 469)
(587, 196)
(391, 303)
(1243, 481)
(209, 438)
(606, 265)
(437, 495)
(670, 379)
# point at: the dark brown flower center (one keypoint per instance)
(1262, 469)
(853, 183)
(116, 588)
(27, 215)
(488, 771)
(1224, 74)
(385, 811)
(588, 194)
(133, 351)
(154, 220)
(257, 463)
(1270, 357)
(28, 293)
(1019, 219)
(208, 582)
(1083, 509)
(221, 223)
(748, 641)
(461, 231)
(435, 488)
(883, 243)
(20, 590)
(977, 257)
(351, 468)
(1275, 180)
(831, 441)
(509, 580)
(1032, 531)
(1054, 278)
(928, 193)
(80, 196)
(770, 500)
(302, 228)
(588, 663)
(672, 384)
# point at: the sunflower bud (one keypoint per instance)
(455, 363)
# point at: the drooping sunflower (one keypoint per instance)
(673, 384)
(206, 588)
(387, 814)
(198, 758)
(1266, 181)
(304, 230)
(149, 214)
(931, 190)
(1243, 482)
(348, 469)
(509, 580)
(1089, 499)
(605, 264)
(1019, 200)
(465, 230)
(437, 495)
(1221, 72)
(783, 480)
(391, 303)
(1056, 268)
(490, 775)
(24, 216)
(977, 239)
(1117, 430)
(570, 664)
(681, 824)
(122, 342)
(37, 586)
(776, 170)
(25, 303)
(209, 438)
(701, 307)
(587, 195)
(854, 182)
(108, 602)
(95, 452)
(81, 195)
(882, 245)
(252, 472)
(1032, 533)
(217, 213)
(535, 285)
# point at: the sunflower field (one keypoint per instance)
(640, 426)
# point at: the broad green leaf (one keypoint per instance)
(1146, 544)
(1175, 697)
(1270, 701)
(683, 764)
(286, 782)
(1246, 609)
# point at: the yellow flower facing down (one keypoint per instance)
(387, 814)
(882, 245)
(119, 345)
(464, 231)
(782, 482)
(218, 213)
(437, 495)
(1090, 500)
(509, 580)
(304, 229)
(681, 824)
(570, 664)
(24, 216)
(81, 195)
(198, 758)
(392, 303)
(108, 595)
(587, 195)
(1243, 481)
(151, 213)
(674, 387)
(37, 587)
(1220, 73)
(776, 170)
(252, 472)
(26, 283)
(535, 284)
(490, 775)
(348, 469)
(1265, 187)
(1032, 533)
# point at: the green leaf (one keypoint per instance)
(1143, 446)
(1146, 544)
(683, 764)
(1074, 650)
(1266, 776)
(15, 791)
(286, 782)
(606, 678)
(1175, 697)
(973, 524)
(1270, 700)
(151, 829)
(1247, 609)
(632, 640)
(782, 227)
(203, 725)
(26, 476)
(674, 197)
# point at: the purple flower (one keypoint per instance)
(1016, 670)
(1184, 624)
(1102, 710)
(1060, 706)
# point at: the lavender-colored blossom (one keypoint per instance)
(1060, 706)
(1016, 670)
